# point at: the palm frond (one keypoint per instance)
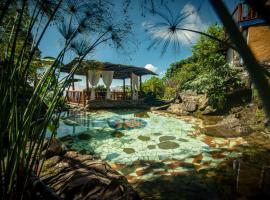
(174, 30)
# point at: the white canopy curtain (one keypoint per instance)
(93, 78)
(135, 83)
(107, 77)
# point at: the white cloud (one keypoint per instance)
(150, 67)
(194, 20)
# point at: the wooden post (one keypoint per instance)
(74, 131)
(124, 89)
(86, 96)
(83, 99)
(140, 86)
(73, 84)
(87, 84)
(73, 88)
(131, 89)
(240, 14)
(140, 83)
(80, 97)
(67, 94)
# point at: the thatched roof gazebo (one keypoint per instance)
(94, 70)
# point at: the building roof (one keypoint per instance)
(120, 71)
(246, 16)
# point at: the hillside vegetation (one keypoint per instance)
(205, 72)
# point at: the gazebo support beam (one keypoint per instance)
(124, 88)
(73, 88)
(85, 94)
(131, 89)
(87, 84)
(140, 83)
(73, 84)
(140, 86)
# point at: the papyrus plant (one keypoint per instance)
(24, 117)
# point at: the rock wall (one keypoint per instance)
(75, 176)
(192, 102)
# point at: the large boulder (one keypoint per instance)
(84, 136)
(187, 93)
(76, 176)
(203, 102)
(230, 126)
(190, 106)
(190, 103)
(209, 110)
(53, 148)
(178, 109)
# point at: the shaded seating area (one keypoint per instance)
(107, 72)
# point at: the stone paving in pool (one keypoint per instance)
(146, 147)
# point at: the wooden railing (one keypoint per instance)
(77, 96)
(80, 97)
(243, 12)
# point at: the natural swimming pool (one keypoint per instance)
(125, 137)
(157, 153)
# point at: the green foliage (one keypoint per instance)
(256, 98)
(169, 92)
(154, 87)
(205, 71)
(174, 67)
(8, 31)
(100, 88)
(28, 109)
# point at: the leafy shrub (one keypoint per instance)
(206, 71)
(154, 87)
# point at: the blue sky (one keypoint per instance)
(135, 52)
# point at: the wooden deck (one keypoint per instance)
(118, 99)
(111, 104)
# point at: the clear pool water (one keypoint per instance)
(143, 145)
(159, 138)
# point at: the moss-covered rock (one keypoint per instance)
(229, 126)
(55, 148)
(66, 138)
(168, 145)
(84, 136)
(141, 115)
(182, 140)
(151, 146)
(129, 150)
(128, 169)
(70, 122)
(117, 134)
(144, 138)
(166, 138)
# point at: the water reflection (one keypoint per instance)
(233, 180)
(250, 180)
(126, 124)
